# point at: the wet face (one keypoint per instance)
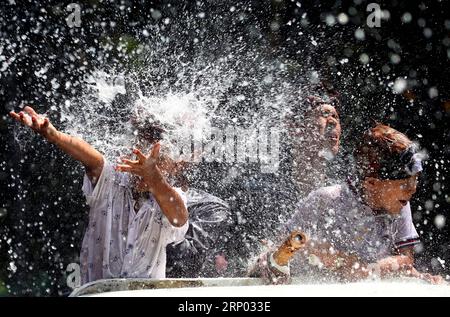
(329, 127)
(389, 195)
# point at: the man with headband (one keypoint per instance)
(314, 141)
(362, 228)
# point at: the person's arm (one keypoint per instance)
(402, 265)
(168, 199)
(351, 268)
(77, 148)
(348, 266)
(394, 265)
(166, 196)
(408, 251)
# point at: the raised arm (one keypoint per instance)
(166, 196)
(76, 147)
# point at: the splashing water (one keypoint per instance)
(200, 71)
(231, 91)
(105, 121)
(106, 86)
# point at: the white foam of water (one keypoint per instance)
(180, 114)
(101, 120)
(106, 86)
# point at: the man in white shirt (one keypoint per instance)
(132, 216)
(126, 236)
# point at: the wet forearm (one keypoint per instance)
(168, 199)
(347, 266)
(394, 265)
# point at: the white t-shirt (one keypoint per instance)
(120, 242)
(336, 215)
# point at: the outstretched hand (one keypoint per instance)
(432, 279)
(145, 166)
(37, 122)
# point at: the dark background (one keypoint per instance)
(42, 212)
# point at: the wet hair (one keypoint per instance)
(151, 133)
(386, 153)
(146, 130)
(314, 101)
(322, 93)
